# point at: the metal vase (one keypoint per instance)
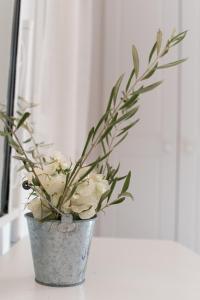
(60, 249)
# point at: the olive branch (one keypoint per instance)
(115, 124)
(109, 132)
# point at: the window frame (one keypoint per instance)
(5, 181)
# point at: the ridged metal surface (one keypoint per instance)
(60, 250)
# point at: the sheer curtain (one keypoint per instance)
(63, 72)
(56, 75)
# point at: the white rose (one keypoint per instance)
(52, 181)
(87, 196)
(60, 159)
(39, 208)
(86, 188)
(87, 214)
(53, 184)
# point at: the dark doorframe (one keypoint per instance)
(10, 106)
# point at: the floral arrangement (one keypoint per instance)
(85, 187)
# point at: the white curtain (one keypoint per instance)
(63, 72)
(56, 80)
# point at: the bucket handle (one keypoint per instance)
(66, 224)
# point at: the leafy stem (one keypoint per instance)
(110, 130)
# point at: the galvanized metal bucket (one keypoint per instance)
(60, 249)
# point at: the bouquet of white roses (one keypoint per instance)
(85, 187)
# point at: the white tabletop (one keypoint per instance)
(118, 269)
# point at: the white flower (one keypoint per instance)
(53, 183)
(39, 208)
(85, 201)
(60, 159)
(52, 177)
(87, 214)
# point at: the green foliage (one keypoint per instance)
(135, 60)
(159, 41)
(152, 51)
(25, 116)
(172, 64)
(109, 132)
(118, 119)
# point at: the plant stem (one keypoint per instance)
(32, 169)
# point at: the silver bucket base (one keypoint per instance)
(60, 250)
(56, 285)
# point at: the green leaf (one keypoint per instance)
(116, 88)
(135, 60)
(152, 52)
(103, 147)
(121, 140)
(75, 168)
(165, 50)
(120, 178)
(27, 141)
(129, 80)
(107, 138)
(151, 72)
(2, 115)
(172, 64)
(100, 170)
(25, 116)
(114, 173)
(128, 127)
(20, 158)
(177, 38)
(101, 158)
(117, 201)
(112, 189)
(149, 87)
(106, 132)
(73, 190)
(99, 124)
(127, 195)
(103, 197)
(159, 41)
(4, 133)
(126, 183)
(14, 145)
(131, 101)
(35, 181)
(87, 172)
(129, 114)
(114, 93)
(90, 135)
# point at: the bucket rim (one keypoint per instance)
(30, 216)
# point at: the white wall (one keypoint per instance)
(188, 210)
